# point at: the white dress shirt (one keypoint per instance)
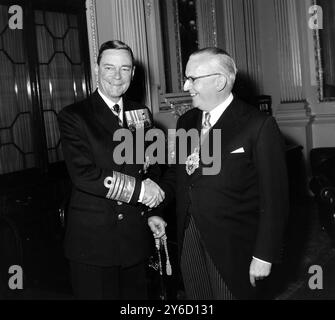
(111, 104)
(218, 110)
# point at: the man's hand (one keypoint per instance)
(258, 270)
(157, 226)
(153, 194)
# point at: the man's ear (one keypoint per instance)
(96, 70)
(221, 83)
(133, 72)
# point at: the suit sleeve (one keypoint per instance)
(84, 173)
(273, 184)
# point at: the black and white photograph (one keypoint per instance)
(167, 154)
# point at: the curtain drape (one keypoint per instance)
(16, 142)
(61, 70)
(61, 80)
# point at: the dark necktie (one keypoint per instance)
(205, 126)
(207, 123)
(117, 109)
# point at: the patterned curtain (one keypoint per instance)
(61, 80)
(16, 141)
(61, 70)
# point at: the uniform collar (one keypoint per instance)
(111, 104)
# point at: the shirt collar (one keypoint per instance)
(110, 103)
(218, 110)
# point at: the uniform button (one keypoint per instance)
(120, 216)
(119, 203)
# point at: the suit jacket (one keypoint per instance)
(106, 226)
(241, 211)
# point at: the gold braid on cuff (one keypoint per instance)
(120, 187)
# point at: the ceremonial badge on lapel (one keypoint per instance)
(192, 162)
(137, 119)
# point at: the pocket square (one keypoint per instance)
(239, 150)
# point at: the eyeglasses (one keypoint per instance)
(192, 79)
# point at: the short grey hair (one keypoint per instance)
(226, 62)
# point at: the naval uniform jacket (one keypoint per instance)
(106, 226)
(241, 211)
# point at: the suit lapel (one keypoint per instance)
(102, 112)
(228, 124)
(194, 123)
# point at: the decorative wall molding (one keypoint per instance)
(289, 55)
(215, 33)
(323, 131)
(293, 112)
(241, 40)
(297, 130)
(251, 39)
(229, 27)
(293, 122)
(323, 53)
(178, 44)
(324, 119)
(206, 20)
(91, 18)
(148, 7)
(155, 53)
(318, 60)
(177, 103)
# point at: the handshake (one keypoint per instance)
(153, 195)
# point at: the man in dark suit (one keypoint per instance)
(107, 237)
(230, 222)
